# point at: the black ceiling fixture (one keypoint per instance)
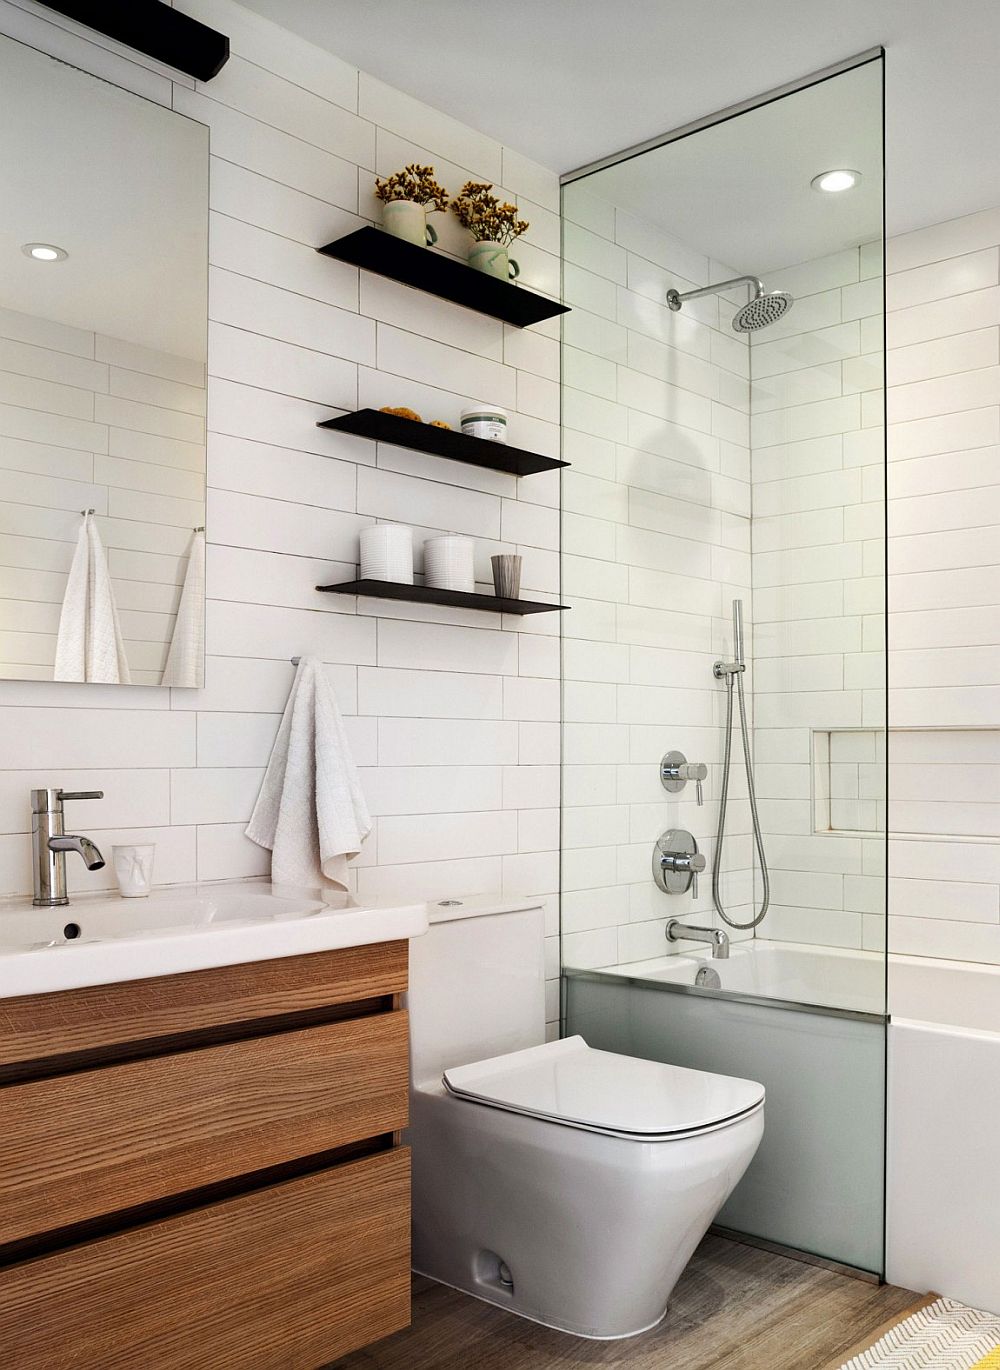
(155, 29)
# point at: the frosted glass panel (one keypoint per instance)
(816, 1182)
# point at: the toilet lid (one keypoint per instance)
(568, 1082)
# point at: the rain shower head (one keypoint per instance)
(763, 308)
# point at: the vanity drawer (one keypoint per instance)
(286, 1278)
(101, 1141)
(77, 1025)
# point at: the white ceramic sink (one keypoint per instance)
(98, 940)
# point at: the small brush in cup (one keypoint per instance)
(507, 575)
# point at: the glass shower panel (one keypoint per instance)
(723, 412)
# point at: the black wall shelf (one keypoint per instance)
(425, 269)
(157, 29)
(426, 594)
(442, 442)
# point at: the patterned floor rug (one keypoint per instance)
(943, 1335)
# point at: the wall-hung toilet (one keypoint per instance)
(568, 1185)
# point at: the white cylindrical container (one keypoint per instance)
(449, 563)
(487, 421)
(134, 869)
(387, 553)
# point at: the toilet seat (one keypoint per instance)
(567, 1082)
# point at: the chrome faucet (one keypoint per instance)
(49, 845)
(716, 938)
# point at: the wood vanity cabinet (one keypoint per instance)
(204, 1170)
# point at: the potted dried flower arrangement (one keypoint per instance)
(406, 197)
(493, 225)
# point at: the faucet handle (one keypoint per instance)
(50, 800)
(676, 771)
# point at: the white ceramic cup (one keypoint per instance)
(406, 219)
(134, 869)
(494, 259)
(449, 563)
(387, 553)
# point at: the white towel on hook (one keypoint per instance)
(187, 646)
(89, 646)
(310, 811)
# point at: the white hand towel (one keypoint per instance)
(310, 811)
(187, 646)
(89, 645)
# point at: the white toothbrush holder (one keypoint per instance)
(134, 870)
(449, 563)
(387, 553)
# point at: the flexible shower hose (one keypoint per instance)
(717, 862)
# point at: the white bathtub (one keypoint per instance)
(943, 1206)
(943, 1106)
(809, 1024)
(791, 971)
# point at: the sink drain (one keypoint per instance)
(71, 931)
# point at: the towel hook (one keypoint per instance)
(198, 530)
(85, 512)
(296, 660)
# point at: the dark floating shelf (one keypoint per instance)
(442, 442)
(426, 594)
(425, 269)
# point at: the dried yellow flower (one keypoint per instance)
(414, 182)
(489, 221)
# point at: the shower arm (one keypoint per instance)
(674, 300)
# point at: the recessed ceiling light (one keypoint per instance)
(833, 181)
(45, 252)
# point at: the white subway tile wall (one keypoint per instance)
(453, 715)
(943, 331)
(943, 335)
(818, 670)
(656, 542)
(141, 468)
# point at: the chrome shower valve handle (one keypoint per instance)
(676, 862)
(676, 770)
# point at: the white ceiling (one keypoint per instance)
(569, 81)
(739, 191)
(122, 185)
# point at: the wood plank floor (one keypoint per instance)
(735, 1308)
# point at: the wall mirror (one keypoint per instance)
(103, 323)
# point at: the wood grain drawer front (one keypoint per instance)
(286, 1278)
(39, 1026)
(100, 1141)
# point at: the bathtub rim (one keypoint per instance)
(620, 977)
